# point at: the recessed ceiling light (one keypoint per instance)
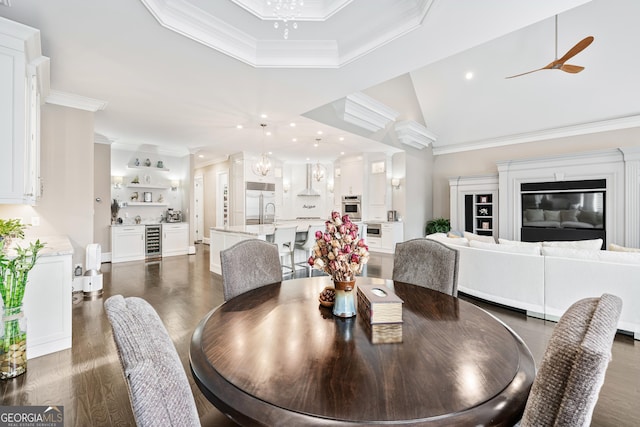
(342, 153)
(264, 116)
(270, 153)
(238, 126)
(341, 138)
(268, 133)
(308, 159)
(292, 124)
(201, 156)
(294, 139)
(319, 132)
(469, 75)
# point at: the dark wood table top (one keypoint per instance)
(274, 356)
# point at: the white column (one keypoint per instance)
(632, 196)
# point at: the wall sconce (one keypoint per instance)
(285, 187)
(117, 182)
(174, 185)
(395, 183)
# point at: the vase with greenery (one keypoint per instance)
(14, 271)
(438, 225)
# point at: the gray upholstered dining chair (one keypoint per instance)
(572, 371)
(247, 265)
(428, 263)
(159, 389)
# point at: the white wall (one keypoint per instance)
(67, 169)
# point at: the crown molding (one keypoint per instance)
(414, 134)
(365, 112)
(560, 132)
(98, 138)
(71, 100)
(197, 24)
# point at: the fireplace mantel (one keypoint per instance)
(619, 167)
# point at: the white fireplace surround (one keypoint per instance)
(619, 167)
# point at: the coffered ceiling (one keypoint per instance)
(371, 76)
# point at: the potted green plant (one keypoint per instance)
(10, 229)
(438, 225)
(14, 272)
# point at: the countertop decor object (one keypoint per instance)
(15, 265)
(342, 254)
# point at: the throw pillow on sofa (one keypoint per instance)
(534, 215)
(593, 244)
(514, 249)
(442, 237)
(569, 215)
(478, 237)
(519, 243)
(618, 248)
(552, 215)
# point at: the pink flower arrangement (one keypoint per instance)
(339, 251)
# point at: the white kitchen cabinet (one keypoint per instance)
(390, 234)
(24, 78)
(47, 305)
(352, 176)
(175, 239)
(127, 243)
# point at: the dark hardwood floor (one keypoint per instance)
(87, 379)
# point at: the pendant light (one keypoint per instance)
(262, 166)
(319, 171)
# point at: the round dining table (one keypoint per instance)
(274, 356)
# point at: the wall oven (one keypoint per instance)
(352, 206)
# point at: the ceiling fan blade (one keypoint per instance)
(571, 68)
(546, 67)
(579, 47)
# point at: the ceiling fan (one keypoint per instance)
(559, 64)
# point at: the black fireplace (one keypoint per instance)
(563, 210)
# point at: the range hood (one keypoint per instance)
(309, 191)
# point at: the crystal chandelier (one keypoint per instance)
(262, 166)
(286, 11)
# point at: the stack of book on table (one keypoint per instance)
(381, 311)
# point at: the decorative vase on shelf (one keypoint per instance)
(344, 303)
(13, 342)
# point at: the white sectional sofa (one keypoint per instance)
(544, 279)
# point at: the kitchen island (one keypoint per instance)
(224, 237)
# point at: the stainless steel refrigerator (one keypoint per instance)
(260, 207)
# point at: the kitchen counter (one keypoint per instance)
(267, 229)
(222, 238)
(53, 245)
(133, 224)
